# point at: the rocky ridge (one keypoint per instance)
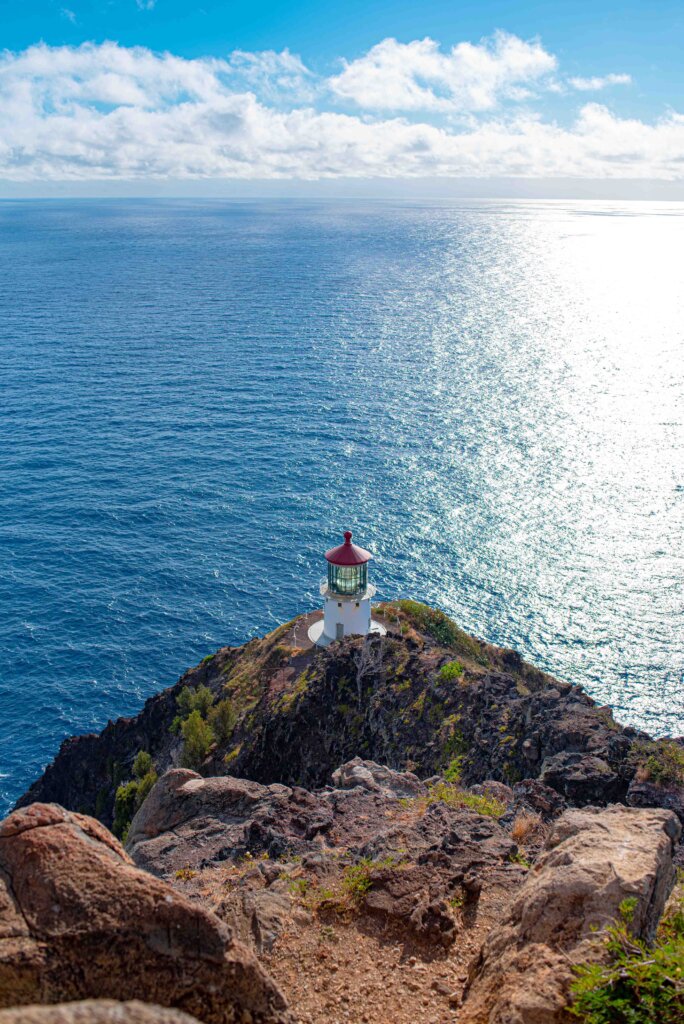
(426, 695)
(456, 826)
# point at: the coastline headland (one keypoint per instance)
(413, 824)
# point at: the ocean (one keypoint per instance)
(197, 397)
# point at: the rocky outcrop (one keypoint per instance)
(422, 853)
(378, 779)
(594, 859)
(388, 700)
(96, 1011)
(78, 920)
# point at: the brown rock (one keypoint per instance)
(377, 778)
(96, 1011)
(594, 859)
(78, 921)
(410, 896)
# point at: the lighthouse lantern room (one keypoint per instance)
(346, 595)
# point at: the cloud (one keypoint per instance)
(68, 14)
(419, 76)
(599, 82)
(145, 5)
(98, 112)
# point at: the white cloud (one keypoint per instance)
(68, 14)
(419, 76)
(599, 82)
(145, 5)
(108, 112)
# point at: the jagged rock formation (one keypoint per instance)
(426, 853)
(78, 920)
(594, 860)
(96, 1011)
(417, 699)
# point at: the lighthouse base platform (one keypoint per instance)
(321, 639)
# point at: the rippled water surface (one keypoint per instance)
(198, 396)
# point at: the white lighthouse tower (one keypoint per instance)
(346, 596)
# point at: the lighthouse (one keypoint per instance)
(346, 595)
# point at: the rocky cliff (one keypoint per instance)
(423, 698)
(420, 826)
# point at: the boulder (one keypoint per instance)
(642, 793)
(190, 821)
(582, 778)
(377, 778)
(96, 1011)
(78, 920)
(594, 859)
(531, 794)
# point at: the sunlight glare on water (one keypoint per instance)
(199, 397)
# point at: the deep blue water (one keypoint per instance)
(197, 397)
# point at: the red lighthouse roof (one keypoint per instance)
(348, 553)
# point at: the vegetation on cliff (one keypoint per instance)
(425, 698)
(642, 983)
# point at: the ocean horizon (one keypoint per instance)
(199, 396)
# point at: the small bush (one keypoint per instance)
(357, 879)
(222, 719)
(189, 700)
(142, 764)
(454, 769)
(519, 858)
(232, 755)
(144, 786)
(661, 762)
(198, 737)
(185, 874)
(124, 807)
(131, 795)
(641, 984)
(454, 796)
(452, 670)
(526, 824)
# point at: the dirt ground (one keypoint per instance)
(336, 971)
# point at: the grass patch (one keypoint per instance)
(641, 984)
(454, 770)
(453, 796)
(289, 699)
(452, 670)
(185, 874)
(440, 627)
(661, 762)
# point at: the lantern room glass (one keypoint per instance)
(347, 579)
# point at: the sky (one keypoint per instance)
(165, 97)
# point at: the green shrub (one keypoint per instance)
(222, 719)
(198, 737)
(142, 764)
(357, 879)
(662, 762)
(441, 628)
(641, 984)
(144, 786)
(454, 769)
(452, 670)
(454, 796)
(189, 700)
(124, 807)
(131, 795)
